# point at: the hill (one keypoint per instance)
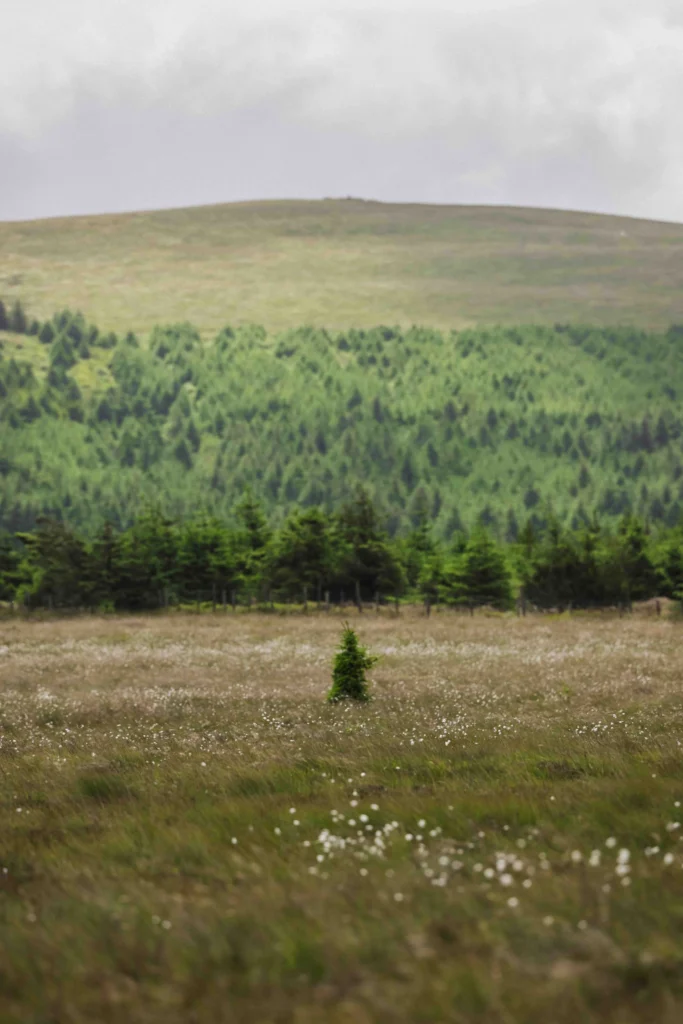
(485, 422)
(346, 263)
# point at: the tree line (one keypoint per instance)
(346, 556)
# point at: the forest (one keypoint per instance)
(490, 426)
(344, 557)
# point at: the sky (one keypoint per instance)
(115, 105)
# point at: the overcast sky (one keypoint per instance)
(109, 105)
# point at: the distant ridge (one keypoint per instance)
(346, 262)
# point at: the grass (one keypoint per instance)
(191, 834)
(344, 263)
(92, 375)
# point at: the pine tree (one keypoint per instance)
(554, 568)
(671, 569)
(61, 354)
(47, 333)
(193, 436)
(104, 562)
(350, 665)
(10, 576)
(419, 545)
(253, 540)
(17, 319)
(253, 521)
(302, 552)
(366, 558)
(640, 578)
(182, 454)
(207, 560)
(30, 410)
(148, 561)
(56, 563)
(481, 576)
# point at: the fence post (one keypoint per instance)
(377, 601)
(359, 603)
(428, 606)
(396, 603)
(327, 600)
(305, 600)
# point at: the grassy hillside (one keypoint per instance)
(346, 263)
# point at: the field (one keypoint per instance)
(190, 834)
(346, 263)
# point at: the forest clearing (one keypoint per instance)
(191, 833)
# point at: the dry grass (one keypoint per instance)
(342, 264)
(191, 834)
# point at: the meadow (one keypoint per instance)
(191, 834)
(346, 263)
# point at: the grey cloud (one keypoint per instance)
(546, 103)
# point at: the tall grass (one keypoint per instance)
(191, 833)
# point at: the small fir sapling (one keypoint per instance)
(350, 665)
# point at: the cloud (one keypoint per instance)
(544, 103)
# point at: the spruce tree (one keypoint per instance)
(350, 665)
(671, 570)
(481, 576)
(10, 572)
(17, 319)
(61, 353)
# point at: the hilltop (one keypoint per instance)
(346, 263)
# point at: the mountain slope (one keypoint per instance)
(482, 422)
(346, 263)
